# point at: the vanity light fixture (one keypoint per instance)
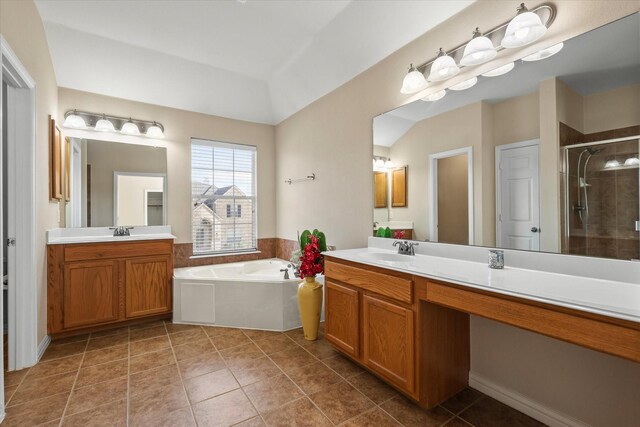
(435, 96)
(478, 51)
(104, 125)
(73, 120)
(443, 68)
(524, 29)
(613, 163)
(500, 70)
(130, 128)
(388, 164)
(544, 53)
(632, 161)
(155, 131)
(465, 84)
(413, 82)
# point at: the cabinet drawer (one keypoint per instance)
(383, 284)
(113, 250)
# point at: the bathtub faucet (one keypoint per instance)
(286, 273)
(296, 269)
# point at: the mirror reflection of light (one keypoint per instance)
(435, 96)
(500, 70)
(612, 164)
(632, 161)
(544, 53)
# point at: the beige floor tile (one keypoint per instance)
(239, 355)
(147, 346)
(210, 385)
(372, 387)
(183, 337)
(271, 393)
(457, 422)
(109, 354)
(374, 418)
(58, 351)
(320, 349)
(182, 417)
(410, 415)
(40, 387)
(153, 379)
(314, 377)
(224, 410)
(257, 334)
(275, 344)
(201, 364)
(214, 331)
(251, 422)
(110, 414)
(124, 330)
(293, 359)
(193, 349)
(68, 340)
(85, 398)
(36, 412)
(143, 334)
(229, 340)
(105, 342)
(254, 370)
(156, 403)
(300, 412)
(8, 393)
(341, 401)
(343, 366)
(174, 328)
(99, 373)
(152, 360)
(56, 366)
(15, 377)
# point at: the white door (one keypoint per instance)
(518, 196)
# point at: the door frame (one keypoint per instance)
(498, 175)
(22, 304)
(433, 190)
(116, 174)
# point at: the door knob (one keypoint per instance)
(534, 229)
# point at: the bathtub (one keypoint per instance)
(252, 294)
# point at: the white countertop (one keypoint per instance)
(60, 236)
(606, 297)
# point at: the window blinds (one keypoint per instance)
(223, 197)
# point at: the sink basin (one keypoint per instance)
(379, 256)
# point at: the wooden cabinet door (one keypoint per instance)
(380, 189)
(388, 339)
(148, 286)
(90, 293)
(342, 318)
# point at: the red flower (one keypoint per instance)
(398, 234)
(312, 261)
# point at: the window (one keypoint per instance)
(223, 187)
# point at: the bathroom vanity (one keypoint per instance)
(98, 281)
(406, 318)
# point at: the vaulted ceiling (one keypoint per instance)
(255, 60)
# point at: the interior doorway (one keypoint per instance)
(518, 196)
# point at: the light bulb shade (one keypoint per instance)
(632, 161)
(465, 84)
(500, 70)
(130, 128)
(155, 131)
(104, 125)
(478, 51)
(435, 96)
(379, 163)
(524, 29)
(388, 164)
(612, 164)
(544, 53)
(413, 82)
(74, 121)
(443, 68)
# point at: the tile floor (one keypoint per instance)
(162, 374)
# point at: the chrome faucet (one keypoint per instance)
(405, 248)
(296, 270)
(286, 273)
(120, 231)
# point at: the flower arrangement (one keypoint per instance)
(398, 234)
(311, 260)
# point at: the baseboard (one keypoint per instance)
(42, 347)
(523, 403)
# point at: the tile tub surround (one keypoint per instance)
(160, 373)
(268, 248)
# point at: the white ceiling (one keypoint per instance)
(600, 60)
(259, 60)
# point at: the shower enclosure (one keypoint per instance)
(601, 202)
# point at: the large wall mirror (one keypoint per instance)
(543, 157)
(112, 184)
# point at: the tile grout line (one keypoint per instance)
(184, 386)
(127, 408)
(75, 380)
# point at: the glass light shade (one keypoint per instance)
(544, 53)
(443, 68)
(478, 51)
(632, 161)
(524, 29)
(155, 131)
(465, 84)
(74, 121)
(379, 163)
(413, 82)
(435, 96)
(500, 70)
(388, 164)
(612, 164)
(104, 125)
(130, 128)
